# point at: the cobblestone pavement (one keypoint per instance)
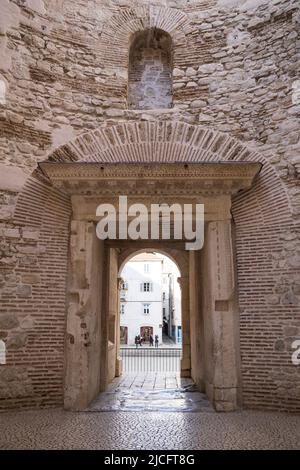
(58, 429)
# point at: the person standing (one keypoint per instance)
(156, 341)
(151, 340)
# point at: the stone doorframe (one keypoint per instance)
(209, 288)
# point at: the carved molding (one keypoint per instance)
(192, 179)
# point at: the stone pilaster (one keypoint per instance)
(118, 357)
(185, 315)
(223, 381)
(83, 335)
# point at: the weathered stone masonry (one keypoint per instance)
(64, 73)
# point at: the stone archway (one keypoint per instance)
(261, 214)
(92, 309)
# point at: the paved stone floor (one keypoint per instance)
(144, 428)
(58, 429)
(150, 381)
(151, 392)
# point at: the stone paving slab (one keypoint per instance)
(151, 392)
(163, 400)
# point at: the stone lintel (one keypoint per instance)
(173, 178)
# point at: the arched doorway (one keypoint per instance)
(173, 148)
(150, 299)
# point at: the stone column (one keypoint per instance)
(118, 358)
(222, 328)
(185, 320)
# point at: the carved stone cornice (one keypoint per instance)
(162, 178)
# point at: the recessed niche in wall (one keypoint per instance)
(150, 70)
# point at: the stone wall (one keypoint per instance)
(63, 71)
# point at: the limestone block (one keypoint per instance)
(2, 92)
(9, 16)
(14, 382)
(11, 178)
(2, 352)
(17, 341)
(30, 235)
(178, 73)
(291, 330)
(27, 322)
(5, 54)
(279, 345)
(31, 249)
(62, 135)
(242, 5)
(11, 233)
(8, 321)
(24, 290)
(36, 5)
(31, 278)
(273, 299)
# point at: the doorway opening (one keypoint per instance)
(150, 353)
(150, 314)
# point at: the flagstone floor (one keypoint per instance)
(152, 392)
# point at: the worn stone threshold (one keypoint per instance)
(186, 399)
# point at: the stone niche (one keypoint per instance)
(150, 70)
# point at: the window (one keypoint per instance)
(146, 309)
(146, 268)
(146, 287)
(122, 308)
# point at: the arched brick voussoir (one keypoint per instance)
(116, 33)
(171, 142)
(160, 142)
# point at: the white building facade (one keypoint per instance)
(147, 298)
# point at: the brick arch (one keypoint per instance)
(170, 142)
(116, 33)
(262, 215)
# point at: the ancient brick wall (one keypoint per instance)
(63, 71)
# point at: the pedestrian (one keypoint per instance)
(156, 341)
(136, 341)
(151, 340)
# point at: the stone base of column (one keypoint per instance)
(119, 367)
(225, 399)
(185, 367)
